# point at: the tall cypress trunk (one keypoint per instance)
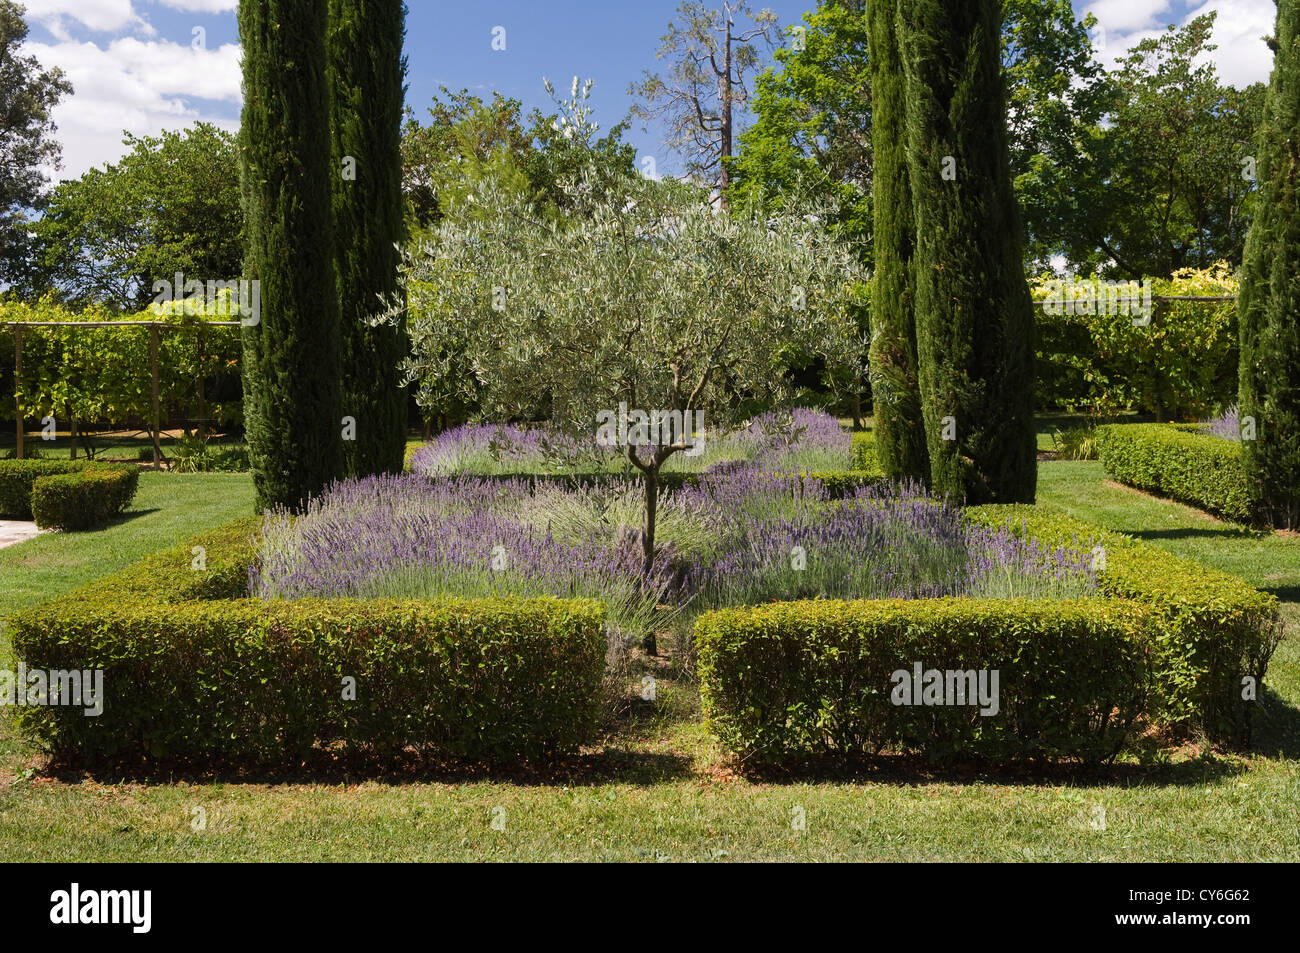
(899, 426)
(974, 315)
(291, 356)
(1268, 304)
(367, 85)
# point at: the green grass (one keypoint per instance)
(658, 788)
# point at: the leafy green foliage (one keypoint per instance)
(171, 204)
(85, 499)
(98, 374)
(367, 70)
(803, 678)
(1160, 185)
(216, 679)
(894, 362)
(1182, 365)
(28, 95)
(1194, 468)
(291, 367)
(509, 310)
(1270, 301)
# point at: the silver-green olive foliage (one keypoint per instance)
(648, 296)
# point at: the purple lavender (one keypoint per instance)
(1227, 425)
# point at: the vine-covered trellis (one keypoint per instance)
(105, 379)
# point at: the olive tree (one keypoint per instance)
(649, 306)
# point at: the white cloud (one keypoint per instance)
(105, 16)
(201, 6)
(1242, 56)
(140, 86)
(1126, 16)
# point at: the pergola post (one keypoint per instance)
(153, 365)
(18, 383)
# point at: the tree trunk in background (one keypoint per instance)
(291, 357)
(367, 91)
(1268, 305)
(974, 315)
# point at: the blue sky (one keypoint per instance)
(135, 66)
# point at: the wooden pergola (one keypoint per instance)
(155, 328)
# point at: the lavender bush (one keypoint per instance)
(785, 441)
(1227, 425)
(735, 538)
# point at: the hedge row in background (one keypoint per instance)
(84, 500)
(65, 494)
(808, 678)
(1213, 629)
(1178, 462)
(17, 477)
(215, 680)
(1167, 643)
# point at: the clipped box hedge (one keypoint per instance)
(85, 499)
(65, 494)
(195, 674)
(1167, 642)
(814, 678)
(1179, 462)
(1214, 629)
(17, 477)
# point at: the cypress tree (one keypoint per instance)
(974, 315)
(291, 356)
(367, 85)
(899, 427)
(1268, 304)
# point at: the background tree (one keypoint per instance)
(974, 316)
(811, 135)
(706, 85)
(291, 358)
(367, 84)
(1159, 186)
(28, 95)
(899, 424)
(170, 204)
(1269, 301)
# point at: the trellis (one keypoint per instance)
(155, 328)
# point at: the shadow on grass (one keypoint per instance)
(1225, 532)
(587, 768)
(1283, 593)
(1276, 731)
(912, 770)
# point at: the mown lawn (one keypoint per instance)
(658, 789)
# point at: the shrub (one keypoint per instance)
(209, 679)
(17, 478)
(806, 678)
(1214, 629)
(84, 499)
(1179, 462)
(1075, 443)
(864, 452)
